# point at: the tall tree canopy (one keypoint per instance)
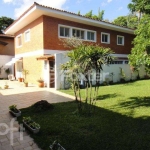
(130, 21)
(140, 54)
(142, 6)
(4, 23)
(100, 15)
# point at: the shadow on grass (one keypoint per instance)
(136, 102)
(104, 130)
(106, 96)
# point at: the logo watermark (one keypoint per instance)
(11, 129)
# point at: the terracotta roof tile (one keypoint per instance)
(35, 3)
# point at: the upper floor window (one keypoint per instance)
(90, 36)
(78, 33)
(120, 40)
(64, 32)
(27, 35)
(69, 31)
(19, 40)
(105, 38)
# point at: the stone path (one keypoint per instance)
(22, 97)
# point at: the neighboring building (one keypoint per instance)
(6, 53)
(39, 50)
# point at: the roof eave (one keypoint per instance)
(38, 10)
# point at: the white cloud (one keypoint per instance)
(25, 4)
(109, 1)
(120, 8)
(103, 4)
(7, 1)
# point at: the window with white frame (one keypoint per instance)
(78, 33)
(27, 35)
(64, 31)
(105, 38)
(120, 40)
(19, 40)
(90, 36)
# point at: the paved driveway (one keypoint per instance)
(22, 97)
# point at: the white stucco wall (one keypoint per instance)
(3, 60)
(60, 58)
(105, 73)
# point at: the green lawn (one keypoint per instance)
(121, 121)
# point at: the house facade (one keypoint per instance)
(6, 53)
(39, 50)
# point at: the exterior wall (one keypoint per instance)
(3, 60)
(34, 67)
(51, 39)
(62, 83)
(36, 37)
(9, 48)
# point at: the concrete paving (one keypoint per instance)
(22, 97)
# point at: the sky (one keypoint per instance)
(112, 8)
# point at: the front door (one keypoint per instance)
(52, 73)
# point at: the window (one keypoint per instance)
(78, 33)
(120, 40)
(90, 36)
(19, 40)
(64, 32)
(27, 36)
(105, 38)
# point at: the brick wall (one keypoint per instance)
(9, 48)
(51, 40)
(36, 37)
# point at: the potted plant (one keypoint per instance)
(7, 71)
(31, 125)
(40, 82)
(14, 111)
(56, 146)
(6, 86)
(25, 83)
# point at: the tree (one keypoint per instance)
(89, 14)
(130, 21)
(100, 14)
(140, 54)
(98, 17)
(121, 21)
(4, 23)
(140, 6)
(91, 58)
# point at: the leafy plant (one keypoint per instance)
(13, 108)
(31, 123)
(122, 75)
(7, 71)
(34, 125)
(40, 80)
(27, 120)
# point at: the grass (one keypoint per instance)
(121, 121)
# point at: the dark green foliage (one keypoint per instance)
(4, 23)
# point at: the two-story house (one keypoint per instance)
(37, 46)
(6, 54)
